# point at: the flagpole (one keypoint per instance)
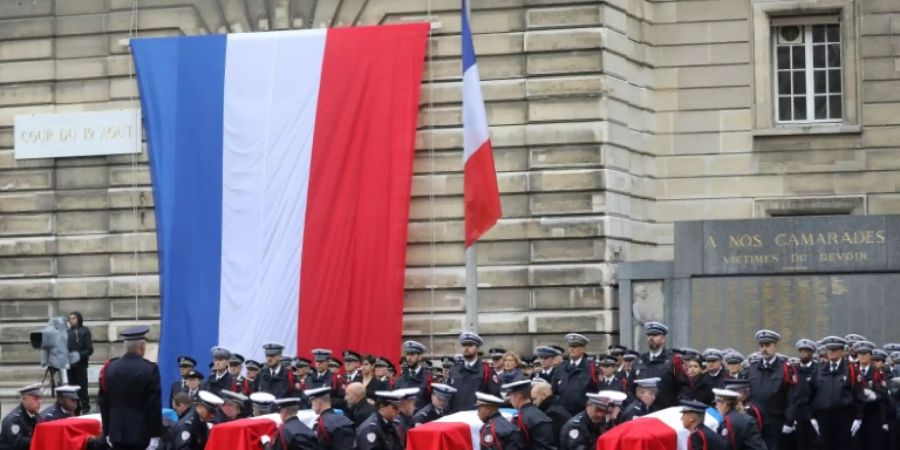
(471, 289)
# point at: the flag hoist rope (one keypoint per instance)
(430, 134)
(132, 33)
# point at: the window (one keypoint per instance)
(807, 65)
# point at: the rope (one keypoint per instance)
(132, 33)
(431, 174)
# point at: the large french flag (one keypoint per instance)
(482, 198)
(281, 166)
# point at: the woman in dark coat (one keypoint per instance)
(80, 341)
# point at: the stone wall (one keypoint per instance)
(610, 120)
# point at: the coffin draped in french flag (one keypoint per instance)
(661, 430)
(281, 165)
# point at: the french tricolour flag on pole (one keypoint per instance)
(281, 167)
(482, 197)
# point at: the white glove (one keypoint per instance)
(787, 429)
(855, 427)
(815, 425)
(870, 395)
(154, 444)
(264, 440)
(885, 427)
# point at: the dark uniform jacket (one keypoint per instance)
(427, 414)
(833, 390)
(54, 412)
(421, 379)
(359, 412)
(241, 385)
(705, 439)
(294, 435)
(550, 376)
(217, 384)
(177, 387)
(559, 415)
(771, 388)
(378, 384)
(667, 366)
(130, 400)
(573, 382)
(536, 428)
(467, 380)
(355, 377)
(334, 381)
(717, 381)
(698, 389)
(378, 434)
(279, 383)
(334, 431)
(497, 433)
(580, 433)
(17, 428)
(614, 384)
(635, 409)
(802, 406)
(741, 432)
(191, 433)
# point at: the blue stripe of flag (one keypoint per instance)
(468, 49)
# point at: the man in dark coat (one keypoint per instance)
(292, 434)
(66, 404)
(332, 430)
(837, 402)
(416, 375)
(660, 363)
(645, 393)
(378, 432)
(130, 395)
(771, 385)
(219, 378)
(536, 427)
(17, 427)
(358, 407)
(440, 399)
(497, 433)
(186, 364)
(192, 431)
(274, 378)
(805, 437)
(543, 397)
(548, 370)
(583, 429)
(740, 430)
(576, 377)
(323, 376)
(471, 375)
(701, 437)
(80, 341)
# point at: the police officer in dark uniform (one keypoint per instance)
(235, 366)
(771, 383)
(130, 396)
(332, 430)
(17, 427)
(740, 430)
(378, 431)
(626, 370)
(236, 407)
(536, 427)
(192, 431)
(497, 432)
(274, 378)
(608, 380)
(836, 398)
(578, 376)
(440, 400)
(714, 375)
(701, 437)
(742, 387)
(219, 378)
(195, 380)
(353, 374)
(292, 434)
(873, 382)
(66, 404)
(416, 375)
(660, 363)
(185, 365)
(262, 403)
(583, 429)
(805, 438)
(471, 375)
(548, 370)
(322, 376)
(645, 396)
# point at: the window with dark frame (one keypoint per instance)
(808, 78)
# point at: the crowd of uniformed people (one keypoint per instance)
(837, 393)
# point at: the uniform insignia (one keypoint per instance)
(14, 429)
(370, 437)
(573, 433)
(488, 438)
(496, 380)
(185, 435)
(724, 431)
(209, 425)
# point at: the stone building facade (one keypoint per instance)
(610, 121)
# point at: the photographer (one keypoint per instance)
(80, 341)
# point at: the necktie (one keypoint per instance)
(833, 367)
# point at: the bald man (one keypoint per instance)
(542, 395)
(358, 407)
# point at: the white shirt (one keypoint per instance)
(577, 362)
(655, 355)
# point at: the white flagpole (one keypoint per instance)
(471, 289)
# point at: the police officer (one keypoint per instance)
(701, 437)
(497, 432)
(440, 400)
(235, 367)
(771, 382)
(496, 356)
(714, 375)
(583, 429)
(234, 407)
(274, 378)
(804, 436)
(66, 404)
(292, 434)
(194, 380)
(130, 395)
(415, 374)
(742, 387)
(17, 427)
(836, 398)
(352, 374)
(263, 403)
(578, 376)
(325, 377)
(471, 375)
(219, 378)
(660, 362)
(245, 386)
(301, 373)
(332, 430)
(608, 379)
(192, 431)
(547, 355)
(733, 365)
(874, 384)
(536, 427)
(739, 430)
(403, 422)
(645, 391)
(185, 365)
(626, 371)
(378, 431)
